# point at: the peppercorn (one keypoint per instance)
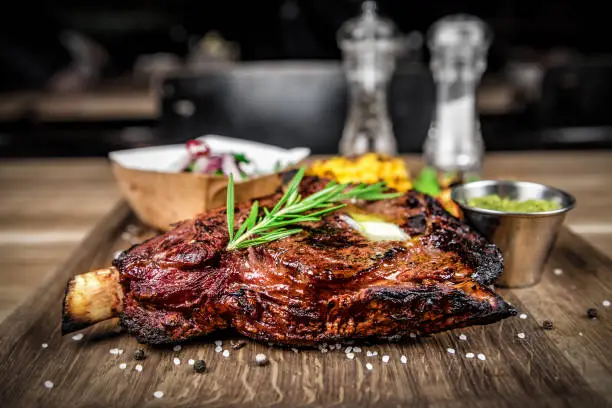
(547, 325)
(139, 355)
(592, 313)
(199, 366)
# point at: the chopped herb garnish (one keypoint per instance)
(280, 221)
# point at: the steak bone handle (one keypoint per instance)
(90, 298)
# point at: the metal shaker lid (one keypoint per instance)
(367, 27)
(459, 31)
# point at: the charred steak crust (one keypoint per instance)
(326, 283)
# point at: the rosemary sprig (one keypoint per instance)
(280, 222)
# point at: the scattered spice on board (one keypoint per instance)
(238, 344)
(199, 366)
(547, 325)
(592, 313)
(261, 359)
(139, 355)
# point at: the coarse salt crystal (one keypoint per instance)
(522, 316)
(176, 361)
(218, 349)
(323, 350)
(48, 384)
(580, 334)
(385, 359)
(450, 350)
(403, 359)
(462, 337)
(481, 357)
(138, 367)
(191, 361)
(368, 353)
(117, 254)
(225, 353)
(218, 343)
(77, 337)
(348, 349)
(558, 271)
(369, 366)
(338, 346)
(356, 349)
(261, 359)
(114, 351)
(469, 355)
(350, 356)
(178, 347)
(122, 366)
(44, 345)
(413, 335)
(158, 394)
(294, 350)
(606, 303)
(521, 335)
(375, 353)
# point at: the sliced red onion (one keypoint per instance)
(197, 148)
(200, 164)
(214, 163)
(231, 167)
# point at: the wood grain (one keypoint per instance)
(546, 369)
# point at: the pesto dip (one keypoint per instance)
(497, 203)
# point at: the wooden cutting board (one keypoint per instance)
(570, 365)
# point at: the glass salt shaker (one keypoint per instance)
(369, 44)
(454, 145)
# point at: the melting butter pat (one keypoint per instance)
(382, 231)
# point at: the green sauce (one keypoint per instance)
(495, 202)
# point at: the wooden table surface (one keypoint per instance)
(48, 206)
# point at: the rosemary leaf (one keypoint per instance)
(229, 208)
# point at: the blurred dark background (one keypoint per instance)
(81, 78)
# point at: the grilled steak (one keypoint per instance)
(325, 284)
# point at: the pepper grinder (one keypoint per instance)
(369, 46)
(454, 145)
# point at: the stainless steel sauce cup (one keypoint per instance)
(525, 239)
